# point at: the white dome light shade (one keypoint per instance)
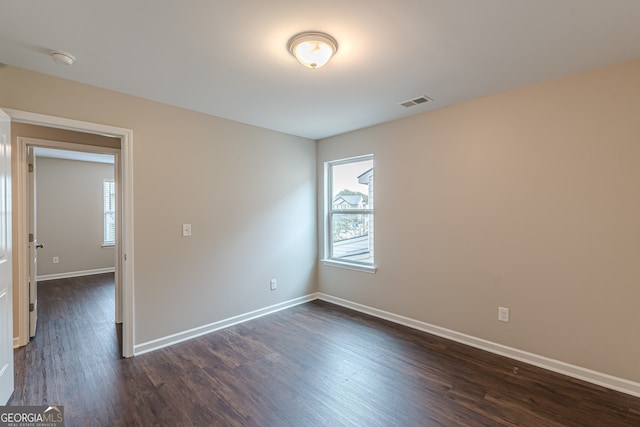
(313, 50)
(63, 58)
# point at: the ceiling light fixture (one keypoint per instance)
(63, 58)
(312, 49)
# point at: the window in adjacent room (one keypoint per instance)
(109, 209)
(349, 199)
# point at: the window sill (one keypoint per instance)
(109, 245)
(350, 266)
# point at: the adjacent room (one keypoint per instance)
(432, 219)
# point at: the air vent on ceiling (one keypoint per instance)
(416, 101)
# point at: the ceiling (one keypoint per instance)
(229, 58)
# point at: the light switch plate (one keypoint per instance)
(186, 230)
(503, 314)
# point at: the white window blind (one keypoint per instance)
(109, 198)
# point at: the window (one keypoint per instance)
(349, 229)
(109, 205)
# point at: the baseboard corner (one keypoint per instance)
(179, 337)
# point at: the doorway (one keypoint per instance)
(124, 248)
(71, 199)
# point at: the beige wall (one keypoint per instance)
(249, 193)
(70, 215)
(528, 199)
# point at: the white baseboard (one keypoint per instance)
(75, 274)
(159, 343)
(604, 380)
(584, 374)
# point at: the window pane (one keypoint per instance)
(109, 197)
(350, 212)
(109, 227)
(351, 189)
(352, 238)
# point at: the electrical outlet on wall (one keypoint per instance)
(273, 284)
(503, 314)
(55, 260)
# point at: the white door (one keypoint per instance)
(33, 244)
(6, 303)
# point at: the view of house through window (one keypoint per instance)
(109, 197)
(350, 221)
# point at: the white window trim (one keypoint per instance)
(367, 268)
(329, 209)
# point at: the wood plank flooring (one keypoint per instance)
(312, 365)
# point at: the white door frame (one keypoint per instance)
(6, 265)
(29, 211)
(124, 172)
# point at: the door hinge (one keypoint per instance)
(30, 167)
(31, 307)
(30, 237)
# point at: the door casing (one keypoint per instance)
(32, 251)
(124, 251)
(6, 266)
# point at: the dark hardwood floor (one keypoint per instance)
(312, 365)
